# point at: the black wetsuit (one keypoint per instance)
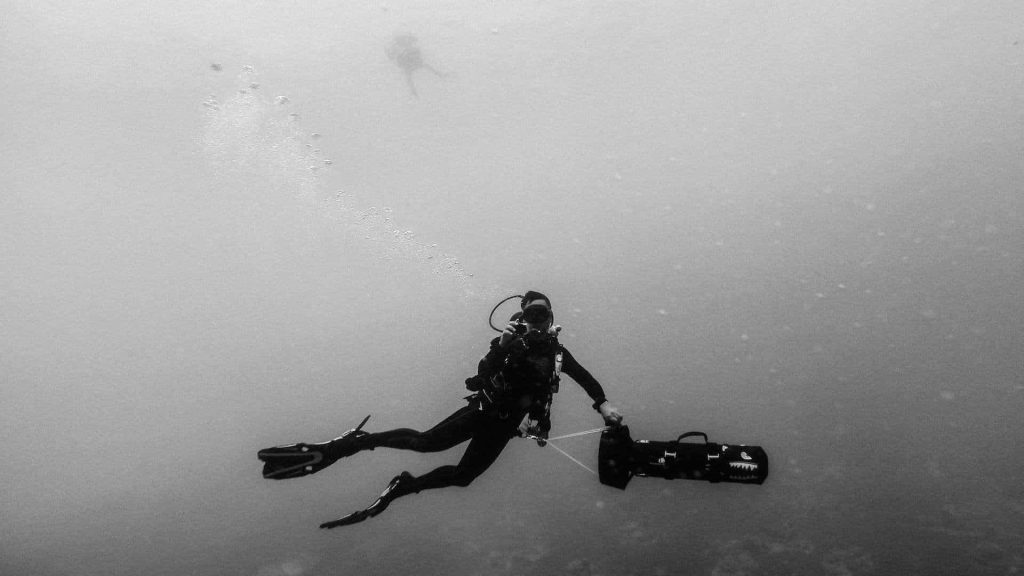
(488, 425)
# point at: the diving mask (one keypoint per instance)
(536, 314)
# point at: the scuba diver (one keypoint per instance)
(511, 395)
(404, 52)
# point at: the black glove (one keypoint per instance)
(474, 383)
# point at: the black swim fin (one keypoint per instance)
(399, 486)
(296, 460)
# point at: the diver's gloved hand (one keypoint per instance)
(509, 334)
(530, 428)
(610, 414)
(474, 383)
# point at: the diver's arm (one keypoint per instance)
(494, 360)
(585, 379)
(490, 364)
(582, 377)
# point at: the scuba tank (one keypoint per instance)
(620, 458)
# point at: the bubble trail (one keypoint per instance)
(248, 134)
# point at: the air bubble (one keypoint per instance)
(247, 134)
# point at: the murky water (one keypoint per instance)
(224, 227)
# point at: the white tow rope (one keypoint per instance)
(585, 432)
(562, 437)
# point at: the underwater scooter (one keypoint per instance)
(620, 458)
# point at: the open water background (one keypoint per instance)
(225, 226)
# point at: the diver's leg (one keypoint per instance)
(485, 447)
(408, 80)
(296, 460)
(489, 440)
(450, 432)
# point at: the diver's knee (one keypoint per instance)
(464, 478)
(428, 443)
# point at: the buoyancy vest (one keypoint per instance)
(529, 377)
